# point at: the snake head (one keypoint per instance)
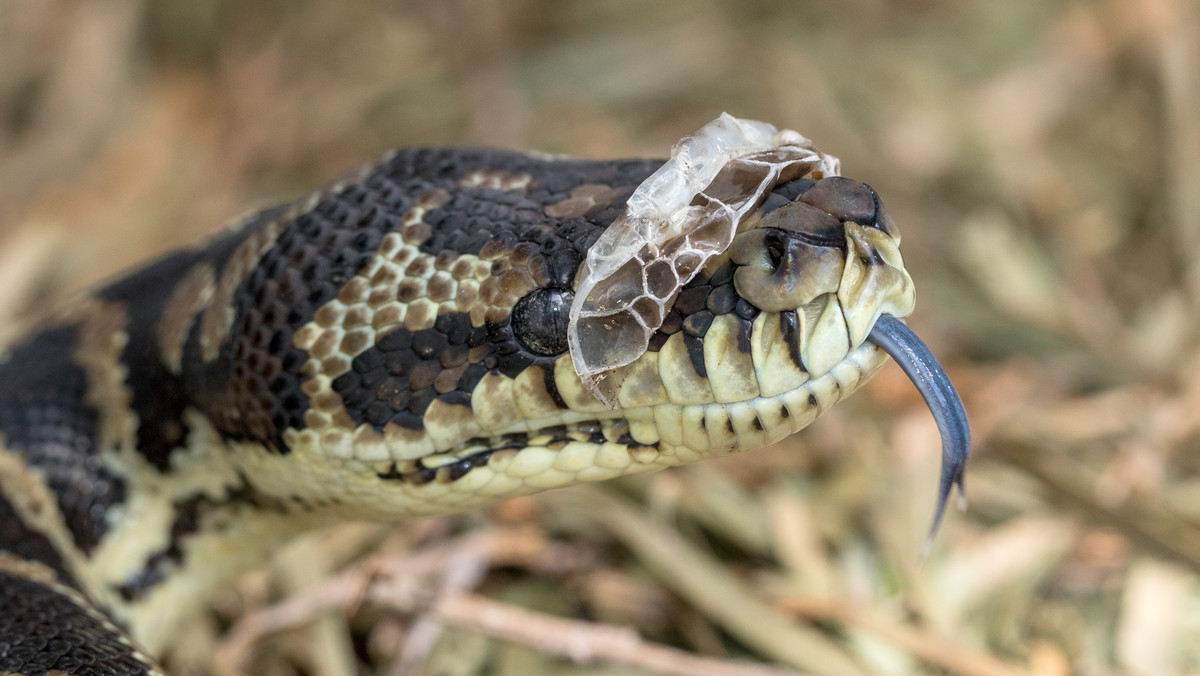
(548, 321)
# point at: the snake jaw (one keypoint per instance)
(919, 364)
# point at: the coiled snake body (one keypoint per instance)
(390, 346)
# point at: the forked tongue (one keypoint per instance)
(893, 337)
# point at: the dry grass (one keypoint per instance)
(1042, 158)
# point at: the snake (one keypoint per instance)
(399, 343)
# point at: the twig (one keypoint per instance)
(462, 572)
(584, 642)
(397, 584)
(935, 650)
(347, 590)
(707, 585)
(1141, 517)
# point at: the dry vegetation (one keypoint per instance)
(1041, 157)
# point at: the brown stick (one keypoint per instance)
(402, 589)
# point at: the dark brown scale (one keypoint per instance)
(43, 631)
(422, 475)
(723, 275)
(723, 299)
(44, 418)
(471, 377)
(657, 340)
(745, 329)
(843, 198)
(746, 310)
(459, 469)
(423, 375)
(692, 299)
(555, 431)
(695, 352)
(429, 344)
(672, 323)
(378, 413)
(696, 325)
(394, 397)
(456, 398)
(456, 327)
(789, 327)
(25, 543)
(454, 355)
(773, 202)
(399, 339)
(447, 380)
(794, 189)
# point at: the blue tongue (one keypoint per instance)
(901, 344)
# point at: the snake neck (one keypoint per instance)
(145, 544)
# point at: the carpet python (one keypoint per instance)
(401, 343)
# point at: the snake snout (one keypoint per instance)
(817, 243)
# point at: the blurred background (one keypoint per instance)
(1041, 157)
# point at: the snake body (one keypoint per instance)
(392, 345)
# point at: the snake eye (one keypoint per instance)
(539, 321)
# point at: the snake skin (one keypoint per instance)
(389, 346)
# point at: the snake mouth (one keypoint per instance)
(910, 352)
(451, 465)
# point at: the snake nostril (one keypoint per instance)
(776, 250)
